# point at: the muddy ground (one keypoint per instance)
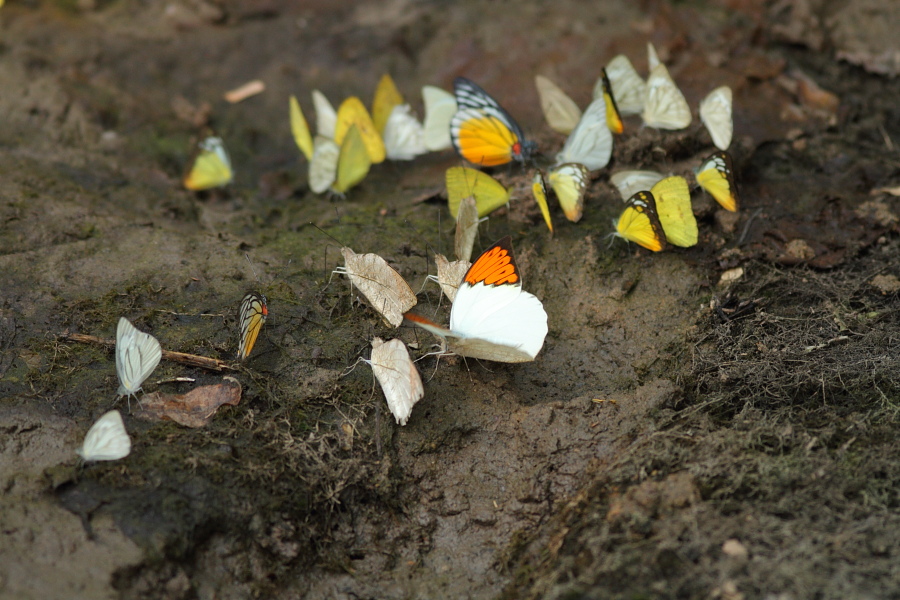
(677, 437)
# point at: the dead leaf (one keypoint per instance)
(194, 409)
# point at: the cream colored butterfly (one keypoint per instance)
(631, 182)
(106, 439)
(652, 57)
(591, 142)
(466, 228)
(326, 116)
(629, 88)
(715, 112)
(449, 274)
(666, 107)
(440, 106)
(561, 112)
(382, 286)
(338, 167)
(137, 355)
(404, 137)
(398, 376)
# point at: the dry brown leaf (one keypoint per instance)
(194, 409)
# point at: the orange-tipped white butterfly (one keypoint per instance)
(398, 377)
(482, 132)
(252, 315)
(492, 317)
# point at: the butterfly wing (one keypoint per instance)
(323, 166)
(300, 129)
(440, 106)
(539, 190)
(384, 288)
(466, 228)
(639, 223)
(354, 161)
(403, 135)
(211, 167)
(591, 142)
(398, 377)
(252, 315)
(715, 112)
(716, 176)
(326, 117)
(631, 182)
(482, 132)
(137, 355)
(628, 88)
(560, 110)
(107, 439)
(613, 118)
(353, 112)
(450, 274)
(673, 204)
(387, 96)
(463, 182)
(666, 107)
(569, 182)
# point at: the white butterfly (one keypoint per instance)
(560, 110)
(591, 142)
(652, 57)
(715, 112)
(492, 318)
(383, 287)
(398, 377)
(629, 88)
(403, 134)
(326, 117)
(106, 439)
(137, 354)
(324, 163)
(440, 106)
(449, 274)
(666, 107)
(631, 182)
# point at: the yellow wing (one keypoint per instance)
(211, 168)
(387, 96)
(488, 192)
(539, 189)
(613, 118)
(353, 162)
(716, 176)
(300, 129)
(560, 110)
(569, 182)
(352, 112)
(673, 204)
(640, 224)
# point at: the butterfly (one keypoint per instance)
(300, 128)
(440, 106)
(492, 317)
(403, 135)
(387, 96)
(569, 182)
(488, 192)
(539, 190)
(716, 176)
(628, 88)
(652, 56)
(466, 228)
(665, 107)
(591, 142)
(353, 112)
(252, 315)
(560, 110)
(630, 182)
(449, 274)
(106, 439)
(613, 118)
(639, 223)
(137, 354)
(715, 112)
(338, 167)
(673, 204)
(211, 167)
(482, 132)
(382, 286)
(326, 117)
(398, 376)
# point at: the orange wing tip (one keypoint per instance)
(496, 266)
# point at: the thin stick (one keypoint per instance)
(192, 360)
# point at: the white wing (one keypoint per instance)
(323, 166)
(497, 322)
(629, 88)
(398, 377)
(631, 182)
(383, 287)
(560, 110)
(440, 106)
(591, 142)
(106, 439)
(137, 355)
(326, 117)
(666, 107)
(403, 134)
(652, 57)
(715, 112)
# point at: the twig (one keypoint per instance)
(193, 360)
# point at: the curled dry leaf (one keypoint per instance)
(194, 409)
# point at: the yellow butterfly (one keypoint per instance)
(300, 129)
(673, 204)
(613, 118)
(353, 161)
(561, 112)
(488, 192)
(211, 167)
(569, 182)
(387, 96)
(539, 189)
(716, 176)
(353, 112)
(639, 223)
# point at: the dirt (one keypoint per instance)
(716, 422)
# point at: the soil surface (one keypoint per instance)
(681, 434)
